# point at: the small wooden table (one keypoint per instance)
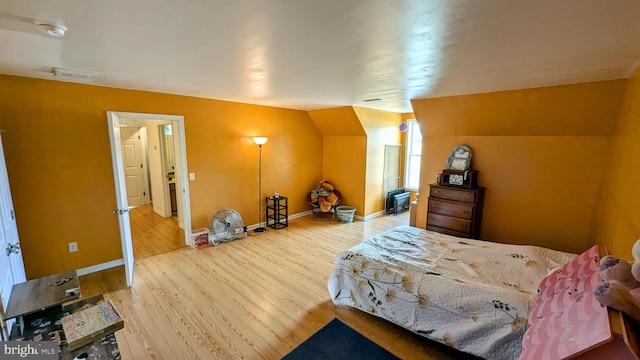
(41, 293)
(44, 325)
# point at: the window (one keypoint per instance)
(414, 155)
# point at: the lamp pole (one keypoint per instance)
(260, 141)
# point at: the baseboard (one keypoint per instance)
(299, 215)
(100, 267)
(369, 217)
(291, 217)
(161, 213)
(309, 212)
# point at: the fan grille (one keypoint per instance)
(227, 225)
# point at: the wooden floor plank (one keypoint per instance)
(153, 234)
(256, 298)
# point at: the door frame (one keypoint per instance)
(121, 192)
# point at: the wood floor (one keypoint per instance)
(256, 298)
(153, 234)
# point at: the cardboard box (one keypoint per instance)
(200, 238)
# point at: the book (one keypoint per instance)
(91, 324)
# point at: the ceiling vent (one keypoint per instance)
(74, 75)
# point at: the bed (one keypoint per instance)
(469, 294)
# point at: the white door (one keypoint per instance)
(133, 166)
(11, 263)
(121, 195)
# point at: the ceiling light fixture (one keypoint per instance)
(51, 29)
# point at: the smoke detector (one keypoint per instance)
(51, 29)
(74, 75)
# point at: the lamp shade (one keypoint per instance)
(260, 140)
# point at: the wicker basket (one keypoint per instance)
(345, 213)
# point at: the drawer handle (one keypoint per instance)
(468, 196)
(435, 191)
(433, 206)
(467, 212)
(464, 226)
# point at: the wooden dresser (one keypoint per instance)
(455, 211)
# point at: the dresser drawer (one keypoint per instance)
(459, 210)
(467, 196)
(447, 231)
(449, 222)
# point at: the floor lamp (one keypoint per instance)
(260, 140)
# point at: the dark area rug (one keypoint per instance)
(337, 341)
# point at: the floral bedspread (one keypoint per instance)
(472, 295)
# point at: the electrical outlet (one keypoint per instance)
(73, 246)
(192, 176)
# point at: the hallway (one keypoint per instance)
(153, 234)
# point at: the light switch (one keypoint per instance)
(192, 176)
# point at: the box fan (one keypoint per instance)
(227, 225)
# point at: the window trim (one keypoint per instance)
(412, 125)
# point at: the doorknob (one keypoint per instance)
(119, 211)
(13, 249)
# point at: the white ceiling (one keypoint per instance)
(305, 54)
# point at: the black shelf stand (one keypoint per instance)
(277, 212)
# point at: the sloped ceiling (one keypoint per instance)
(342, 121)
(324, 54)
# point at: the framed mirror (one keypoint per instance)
(460, 158)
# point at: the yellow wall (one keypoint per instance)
(59, 163)
(344, 165)
(344, 153)
(353, 158)
(540, 154)
(382, 129)
(619, 210)
(342, 121)
(543, 155)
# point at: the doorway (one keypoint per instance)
(149, 155)
(152, 122)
